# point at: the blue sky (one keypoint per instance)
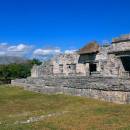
(60, 24)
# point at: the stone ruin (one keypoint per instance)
(111, 61)
(101, 72)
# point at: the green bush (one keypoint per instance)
(13, 71)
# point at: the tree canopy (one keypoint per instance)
(14, 70)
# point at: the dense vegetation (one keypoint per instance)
(58, 112)
(14, 70)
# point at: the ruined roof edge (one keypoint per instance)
(122, 38)
(92, 47)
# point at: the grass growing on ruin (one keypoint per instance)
(58, 112)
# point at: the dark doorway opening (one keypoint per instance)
(92, 67)
(126, 63)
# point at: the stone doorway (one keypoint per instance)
(92, 67)
(126, 63)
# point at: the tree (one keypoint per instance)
(35, 62)
(13, 71)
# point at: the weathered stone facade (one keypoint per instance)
(69, 64)
(112, 61)
(65, 64)
(94, 71)
(118, 61)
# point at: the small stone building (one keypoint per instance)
(91, 60)
(88, 57)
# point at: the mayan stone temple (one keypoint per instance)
(94, 71)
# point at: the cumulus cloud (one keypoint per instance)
(70, 51)
(20, 47)
(46, 51)
(14, 50)
(23, 50)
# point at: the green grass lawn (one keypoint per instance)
(58, 112)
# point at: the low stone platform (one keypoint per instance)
(104, 88)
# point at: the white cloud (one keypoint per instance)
(70, 51)
(18, 48)
(14, 50)
(46, 51)
(28, 50)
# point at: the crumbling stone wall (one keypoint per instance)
(70, 65)
(120, 46)
(107, 61)
(45, 69)
(114, 66)
(102, 58)
(107, 89)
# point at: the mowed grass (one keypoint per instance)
(77, 113)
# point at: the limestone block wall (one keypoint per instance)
(107, 89)
(103, 53)
(67, 60)
(34, 71)
(81, 69)
(120, 46)
(64, 64)
(102, 58)
(69, 63)
(56, 68)
(113, 66)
